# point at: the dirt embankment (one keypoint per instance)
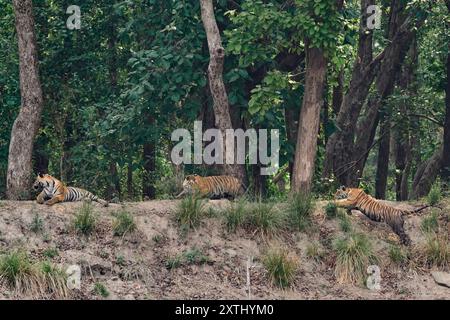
(136, 266)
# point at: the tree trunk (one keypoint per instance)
(383, 159)
(308, 126)
(445, 172)
(130, 190)
(426, 175)
(28, 121)
(338, 93)
(339, 153)
(148, 180)
(216, 84)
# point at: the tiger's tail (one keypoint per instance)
(417, 210)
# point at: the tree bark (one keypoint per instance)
(338, 93)
(28, 121)
(308, 126)
(426, 175)
(383, 158)
(445, 172)
(218, 91)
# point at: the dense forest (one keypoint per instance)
(360, 93)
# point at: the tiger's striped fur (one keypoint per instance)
(353, 198)
(54, 191)
(213, 187)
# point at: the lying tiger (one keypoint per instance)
(353, 198)
(213, 187)
(54, 191)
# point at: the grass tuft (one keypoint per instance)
(85, 220)
(331, 210)
(101, 290)
(124, 223)
(189, 212)
(435, 194)
(354, 254)
(397, 255)
(265, 218)
(430, 223)
(281, 266)
(437, 250)
(300, 209)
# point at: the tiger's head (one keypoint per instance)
(347, 193)
(190, 181)
(42, 181)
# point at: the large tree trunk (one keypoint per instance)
(445, 172)
(28, 121)
(217, 86)
(426, 175)
(339, 151)
(308, 126)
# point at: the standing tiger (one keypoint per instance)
(54, 191)
(353, 198)
(213, 187)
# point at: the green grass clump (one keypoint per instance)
(50, 253)
(313, 251)
(430, 223)
(265, 218)
(299, 211)
(40, 280)
(192, 256)
(280, 266)
(397, 255)
(354, 254)
(190, 212)
(345, 222)
(37, 224)
(437, 250)
(435, 194)
(85, 220)
(124, 223)
(331, 210)
(101, 290)
(235, 215)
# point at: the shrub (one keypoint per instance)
(280, 266)
(299, 210)
(85, 219)
(331, 210)
(354, 254)
(123, 223)
(434, 196)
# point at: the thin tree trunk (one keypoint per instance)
(308, 126)
(149, 157)
(130, 190)
(338, 93)
(383, 159)
(28, 121)
(216, 84)
(445, 172)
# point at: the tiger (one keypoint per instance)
(213, 187)
(354, 198)
(54, 191)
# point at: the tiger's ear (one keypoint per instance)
(40, 175)
(342, 188)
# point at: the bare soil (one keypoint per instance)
(135, 266)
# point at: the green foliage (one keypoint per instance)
(435, 194)
(192, 256)
(354, 254)
(15, 266)
(235, 215)
(331, 210)
(265, 218)
(50, 253)
(281, 266)
(124, 223)
(85, 220)
(430, 223)
(397, 254)
(190, 211)
(101, 290)
(299, 211)
(37, 224)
